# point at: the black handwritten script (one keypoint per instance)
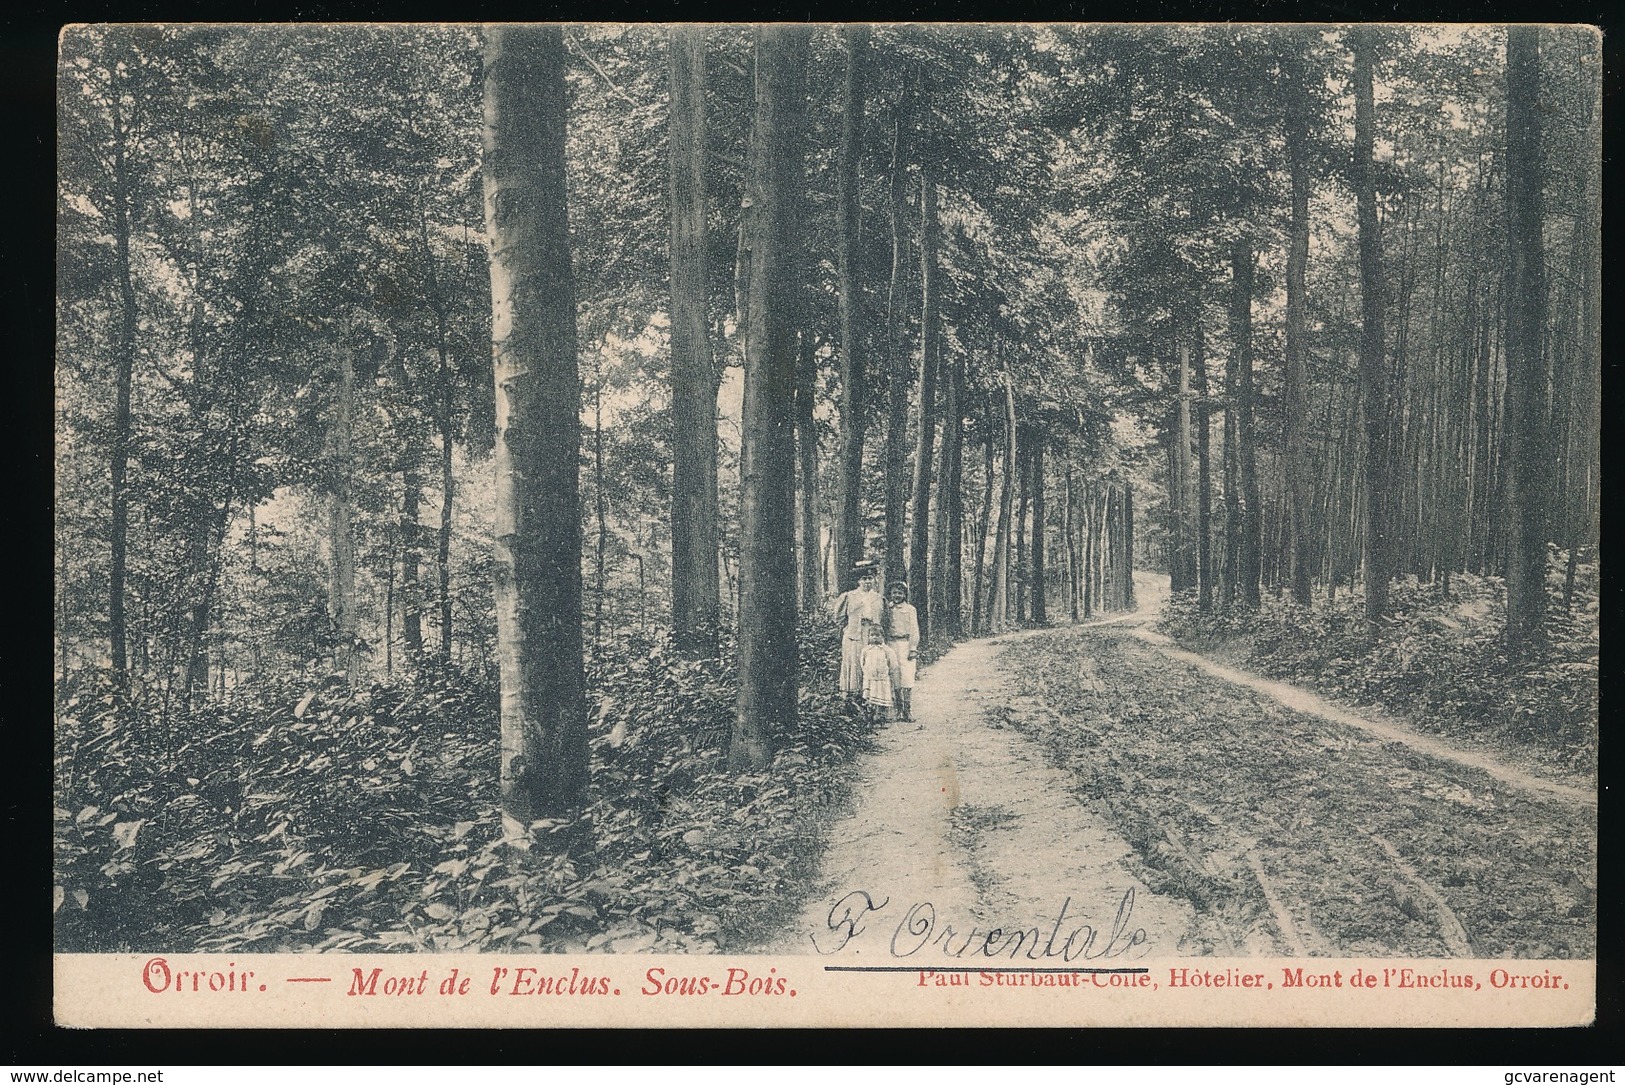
(920, 930)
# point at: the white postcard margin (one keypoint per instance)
(337, 990)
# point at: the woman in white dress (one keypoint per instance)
(901, 625)
(858, 610)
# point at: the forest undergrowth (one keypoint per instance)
(1440, 660)
(289, 817)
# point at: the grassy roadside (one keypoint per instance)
(1291, 834)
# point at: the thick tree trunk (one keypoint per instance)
(1248, 571)
(537, 559)
(854, 390)
(695, 602)
(1040, 610)
(926, 416)
(1295, 405)
(897, 374)
(1375, 543)
(1526, 444)
(767, 599)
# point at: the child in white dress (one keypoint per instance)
(878, 663)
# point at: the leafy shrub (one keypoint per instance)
(289, 817)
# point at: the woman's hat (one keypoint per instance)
(864, 568)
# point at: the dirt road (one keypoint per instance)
(1088, 794)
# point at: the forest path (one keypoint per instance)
(961, 827)
(1152, 592)
(1079, 763)
(960, 824)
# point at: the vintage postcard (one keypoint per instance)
(785, 525)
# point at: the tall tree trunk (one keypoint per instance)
(1111, 546)
(448, 491)
(695, 603)
(1404, 467)
(1585, 401)
(340, 519)
(1187, 553)
(979, 613)
(1376, 542)
(1072, 578)
(1204, 466)
(1086, 544)
(1295, 405)
(443, 380)
(951, 620)
(1483, 479)
(1526, 443)
(411, 592)
(1018, 558)
(1040, 610)
(807, 462)
(1128, 546)
(1098, 539)
(389, 610)
(897, 375)
(926, 418)
(1231, 562)
(124, 362)
(212, 554)
(946, 557)
(854, 390)
(537, 555)
(998, 593)
(600, 505)
(767, 598)
(1248, 572)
